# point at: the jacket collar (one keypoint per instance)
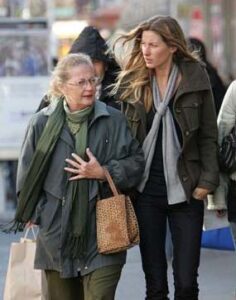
(194, 78)
(100, 110)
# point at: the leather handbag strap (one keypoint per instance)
(111, 182)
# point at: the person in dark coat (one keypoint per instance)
(90, 42)
(217, 85)
(74, 138)
(167, 99)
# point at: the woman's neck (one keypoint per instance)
(162, 76)
(163, 71)
(73, 106)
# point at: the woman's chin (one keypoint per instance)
(86, 102)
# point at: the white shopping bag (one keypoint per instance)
(23, 282)
(211, 221)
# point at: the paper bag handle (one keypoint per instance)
(28, 230)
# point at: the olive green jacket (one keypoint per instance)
(195, 114)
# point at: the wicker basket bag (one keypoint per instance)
(117, 226)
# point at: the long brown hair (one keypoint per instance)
(133, 82)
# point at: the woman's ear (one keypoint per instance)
(173, 49)
(61, 87)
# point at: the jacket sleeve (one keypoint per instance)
(127, 163)
(227, 115)
(31, 138)
(207, 141)
(26, 153)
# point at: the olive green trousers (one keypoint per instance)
(98, 285)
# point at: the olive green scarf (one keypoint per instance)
(33, 183)
(78, 238)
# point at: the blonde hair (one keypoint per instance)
(133, 81)
(61, 72)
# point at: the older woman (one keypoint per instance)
(63, 206)
(168, 102)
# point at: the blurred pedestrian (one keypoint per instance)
(90, 42)
(217, 84)
(64, 206)
(225, 194)
(166, 97)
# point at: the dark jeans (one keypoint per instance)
(185, 221)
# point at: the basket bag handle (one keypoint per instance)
(111, 182)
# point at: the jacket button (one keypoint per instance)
(187, 132)
(185, 178)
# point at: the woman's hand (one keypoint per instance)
(200, 193)
(85, 169)
(30, 224)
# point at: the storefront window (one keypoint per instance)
(23, 9)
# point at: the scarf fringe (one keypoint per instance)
(12, 226)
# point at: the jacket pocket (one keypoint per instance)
(194, 171)
(192, 115)
(192, 155)
(49, 212)
(36, 218)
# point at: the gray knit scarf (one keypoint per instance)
(170, 143)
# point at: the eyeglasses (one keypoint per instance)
(93, 81)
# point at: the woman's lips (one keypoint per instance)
(148, 61)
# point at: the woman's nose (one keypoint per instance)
(146, 50)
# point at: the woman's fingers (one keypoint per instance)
(84, 169)
(77, 177)
(71, 170)
(78, 158)
(90, 154)
(73, 163)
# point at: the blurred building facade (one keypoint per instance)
(212, 21)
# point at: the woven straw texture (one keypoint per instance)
(117, 226)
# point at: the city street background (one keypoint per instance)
(42, 31)
(217, 274)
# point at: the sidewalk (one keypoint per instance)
(217, 274)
